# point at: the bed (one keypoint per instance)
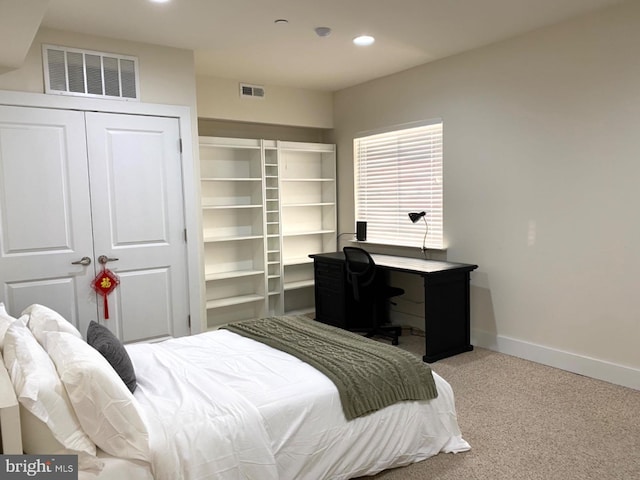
(213, 405)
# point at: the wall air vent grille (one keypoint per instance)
(251, 91)
(71, 71)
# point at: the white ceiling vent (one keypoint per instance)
(71, 71)
(251, 91)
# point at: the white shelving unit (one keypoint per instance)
(266, 206)
(308, 196)
(232, 183)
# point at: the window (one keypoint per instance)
(397, 172)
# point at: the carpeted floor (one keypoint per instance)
(531, 422)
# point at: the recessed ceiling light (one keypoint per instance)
(364, 40)
(281, 21)
(160, 1)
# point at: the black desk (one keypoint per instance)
(446, 299)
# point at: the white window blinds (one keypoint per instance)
(396, 173)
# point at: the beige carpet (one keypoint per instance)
(528, 421)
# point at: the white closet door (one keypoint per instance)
(45, 218)
(138, 219)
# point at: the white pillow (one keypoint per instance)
(105, 407)
(5, 321)
(41, 393)
(42, 320)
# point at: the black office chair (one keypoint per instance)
(372, 294)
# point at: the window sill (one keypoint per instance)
(401, 250)
(389, 245)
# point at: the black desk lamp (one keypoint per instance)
(414, 217)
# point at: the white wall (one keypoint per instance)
(219, 98)
(542, 174)
(167, 75)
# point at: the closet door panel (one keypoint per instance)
(45, 218)
(34, 174)
(156, 283)
(136, 188)
(138, 216)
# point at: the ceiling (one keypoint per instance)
(239, 40)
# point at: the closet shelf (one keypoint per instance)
(309, 204)
(286, 180)
(297, 261)
(215, 239)
(238, 300)
(233, 274)
(309, 232)
(225, 207)
(231, 179)
(298, 284)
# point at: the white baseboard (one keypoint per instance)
(590, 367)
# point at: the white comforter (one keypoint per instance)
(221, 406)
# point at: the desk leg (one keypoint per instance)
(446, 315)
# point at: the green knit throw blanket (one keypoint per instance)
(369, 375)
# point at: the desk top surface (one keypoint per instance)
(405, 264)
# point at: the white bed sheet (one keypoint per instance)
(222, 406)
(118, 469)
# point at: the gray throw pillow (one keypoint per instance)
(111, 348)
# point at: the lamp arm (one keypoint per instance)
(424, 240)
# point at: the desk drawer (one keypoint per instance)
(329, 276)
(330, 309)
(330, 298)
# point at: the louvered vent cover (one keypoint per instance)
(254, 91)
(86, 73)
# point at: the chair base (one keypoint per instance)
(389, 332)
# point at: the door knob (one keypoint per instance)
(83, 261)
(103, 259)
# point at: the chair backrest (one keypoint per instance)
(361, 269)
